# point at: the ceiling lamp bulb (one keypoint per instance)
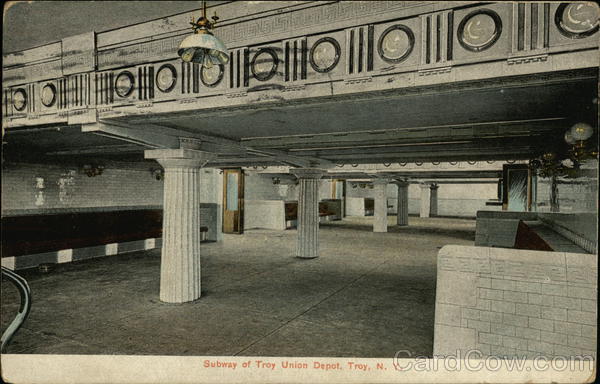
(203, 47)
(186, 54)
(207, 62)
(581, 131)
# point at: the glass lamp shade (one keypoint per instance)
(569, 137)
(203, 48)
(581, 131)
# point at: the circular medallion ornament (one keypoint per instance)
(577, 20)
(124, 84)
(396, 43)
(212, 76)
(325, 54)
(264, 64)
(20, 99)
(166, 77)
(48, 95)
(479, 30)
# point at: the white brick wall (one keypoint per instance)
(578, 194)
(115, 187)
(453, 199)
(519, 303)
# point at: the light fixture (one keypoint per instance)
(93, 170)
(567, 164)
(577, 137)
(157, 173)
(203, 47)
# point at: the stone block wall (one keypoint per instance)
(508, 302)
(355, 206)
(264, 214)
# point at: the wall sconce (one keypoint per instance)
(577, 137)
(550, 165)
(93, 170)
(39, 195)
(40, 182)
(157, 173)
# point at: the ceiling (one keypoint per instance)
(515, 118)
(26, 22)
(390, 112)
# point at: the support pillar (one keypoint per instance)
(307, 246)
(425, 200)
(433, 200)
(380, 223)
(180, 256)
(554, 205)
(402, 215)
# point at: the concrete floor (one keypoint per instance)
(369, 294)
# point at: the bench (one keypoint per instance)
(326, 212)
(38, 233)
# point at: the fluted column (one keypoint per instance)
(425, 200)
(380, 223)
(433, 200)
(180, 257)
(307, 246)
(402, 215)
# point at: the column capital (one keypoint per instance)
(307, 173)
(429, 185)
(180, 157)
(402, 183)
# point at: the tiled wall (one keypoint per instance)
(462, 200)
(67, 188)
(261, 187)
(507, 302)
(115, 187)
(575, 194)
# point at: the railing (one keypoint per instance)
(24, 309)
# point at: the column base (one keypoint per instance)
(306, 257)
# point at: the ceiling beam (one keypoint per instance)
(152, 134)
(411, 135)
(97, 150)
(132, 135)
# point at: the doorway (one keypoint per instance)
(233, 201)
(518, 188)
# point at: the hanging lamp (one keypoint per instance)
(203, 47)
